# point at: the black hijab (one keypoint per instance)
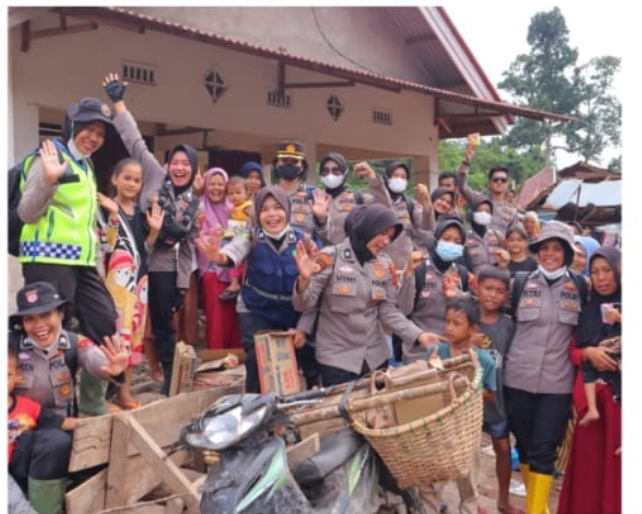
(364, 223)
(590, 329)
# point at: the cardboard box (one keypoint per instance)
(224, 372)
(187, 363)
(276, 362)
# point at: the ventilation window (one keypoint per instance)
(139, 73)
(276, 99)
(381, 116)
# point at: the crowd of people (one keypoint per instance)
(366, 279)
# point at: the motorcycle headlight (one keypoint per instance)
(222, 431)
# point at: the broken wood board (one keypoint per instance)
(163, 421)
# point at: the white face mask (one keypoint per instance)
(482, 218)
(397, 185)
(73, 150)
(552, 275)
(278, 235)
(332, 181)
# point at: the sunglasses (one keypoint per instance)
(500, 179)
(334, 171)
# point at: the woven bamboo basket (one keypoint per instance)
(440, 444)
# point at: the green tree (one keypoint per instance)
(549, 78)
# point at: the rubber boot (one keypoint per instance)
(92, 401)
(47, 496)
(537, 492)
(525, 470)
(167, 377)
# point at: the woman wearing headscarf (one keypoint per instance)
(333, 172)
(539, 375)
(585, 246)
(252, 172)
(221, 323)
(171, 260)
(354, 286)
(265, 300)
(593, 475)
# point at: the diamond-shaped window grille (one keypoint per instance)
(214, 84)
(334, 106)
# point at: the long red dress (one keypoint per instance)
(593, 477)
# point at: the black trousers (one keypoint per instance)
(333, 376)
(162, 297)
(83, 287)
(538, 421)
(42, 454)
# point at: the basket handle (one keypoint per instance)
(451, 384)
(375, 377)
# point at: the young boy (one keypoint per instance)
(37, 460)
(238, 195)
(462, 325)
(496, 331)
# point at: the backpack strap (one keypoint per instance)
(519, 281)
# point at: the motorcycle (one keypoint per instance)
(252, 432)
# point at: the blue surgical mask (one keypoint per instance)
(448, 251)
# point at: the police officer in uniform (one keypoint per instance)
(355, 286)
(333, 172)
(539, 374)
(484, 245)
(309, 204)
(48, 357)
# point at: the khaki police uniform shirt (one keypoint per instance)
(353, 300)
(538, 360)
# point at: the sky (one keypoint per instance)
(496, 33)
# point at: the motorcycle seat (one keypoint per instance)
(335, 449)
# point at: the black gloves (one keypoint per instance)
(115, 90)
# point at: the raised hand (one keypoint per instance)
(109, 204)
(209, 242)
(305, 262)
(321, 204)
(51, 164)
(422, 195)
(116, 353)
(114, 88)
(416, 258)
(155, 216)
(198, 183)
(363, 169)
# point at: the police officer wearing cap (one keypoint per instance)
(58, 242)
(309, 204)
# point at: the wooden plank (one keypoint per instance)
(302, 450)
(88, 497)
(170, 473)
(117, 471)
(163, 420)
(174, 502)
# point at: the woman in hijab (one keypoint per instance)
(354, 286)
(252, 172)
(593, 475)
(585, 246)
(170, 260)
(221, 323)
(265, 300)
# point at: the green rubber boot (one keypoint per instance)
(47, 496)
(92, 395)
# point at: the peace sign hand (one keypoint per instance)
(53, 168)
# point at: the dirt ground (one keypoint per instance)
(146, 391)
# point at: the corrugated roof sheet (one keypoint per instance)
(602, 194)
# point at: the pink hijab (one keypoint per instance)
(216, 216)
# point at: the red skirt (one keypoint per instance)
(221, 323)
(593, 476)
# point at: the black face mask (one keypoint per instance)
(288, 171)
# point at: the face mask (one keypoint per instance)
(332, 181)
(278, 235)
(397, 185)
(73, 150)
(482, 218)
(448, 251)
(552, 275)
(288, 171)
